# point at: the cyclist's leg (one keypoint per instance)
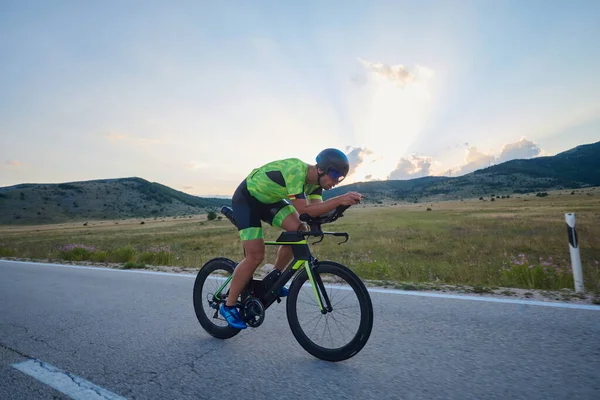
(291, 223)
(255, 253)
(284, 257)
(246, 212)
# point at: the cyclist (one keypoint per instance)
(277, 193)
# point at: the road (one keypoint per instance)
(135, 335)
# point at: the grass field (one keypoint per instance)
(514, 242)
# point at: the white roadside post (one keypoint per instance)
(574, 248)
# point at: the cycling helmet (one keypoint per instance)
(334, 163)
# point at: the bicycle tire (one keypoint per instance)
(220, 332)
(366, 310)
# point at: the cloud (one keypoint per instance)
(187, 187)
(113, 137)
(389, 115)
(398, 73)
(119, 137)
(15, 163)
(410, 168)
(359, 79)
(475, 160)
(196, 165)
(522, 149)
(363, 161)
(356, 157)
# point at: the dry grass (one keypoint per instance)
(458, 242)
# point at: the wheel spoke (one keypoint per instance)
(341, 331)
(208, 281)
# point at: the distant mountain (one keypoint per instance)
(572, 169)
(138, 198)
(96, 200)
(580, 165)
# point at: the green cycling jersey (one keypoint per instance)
(282, 179)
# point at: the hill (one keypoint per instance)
(572, 169)
(138, 198)
(96, 200)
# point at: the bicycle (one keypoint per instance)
(323, 278)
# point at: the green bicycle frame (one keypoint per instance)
(303, 259)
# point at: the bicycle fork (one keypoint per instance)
(318, 288)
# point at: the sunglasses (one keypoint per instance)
(335, 175)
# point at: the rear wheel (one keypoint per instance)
(340, 333)
(210, 278)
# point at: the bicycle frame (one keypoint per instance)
(303, 259)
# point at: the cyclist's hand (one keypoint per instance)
(350, 199)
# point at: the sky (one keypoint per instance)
(195, 94)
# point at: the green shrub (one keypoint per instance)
(123, 254)
(157, 255)
(99, 256)
(544, 274)
(131, 264)
(76, 252)
(6, 252)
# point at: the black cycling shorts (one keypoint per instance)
(248, 213)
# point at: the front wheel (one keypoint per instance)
(340, 333)
(209, 280)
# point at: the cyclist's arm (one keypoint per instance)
(316, 207)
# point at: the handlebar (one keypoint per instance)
(326, 218)
(316, 222)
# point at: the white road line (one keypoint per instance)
(490, 299)
(101, 268)
(73, 386)
(373, 290)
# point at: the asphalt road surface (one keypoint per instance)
(125, 334)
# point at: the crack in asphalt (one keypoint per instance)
(7, 347)
(133, 378)
(36, 339)
(32, 337)
(78, 381)
(14, 326)
(82, 383)
(141, 378)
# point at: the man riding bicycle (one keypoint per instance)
(278, 193)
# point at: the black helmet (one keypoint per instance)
(333, 159)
